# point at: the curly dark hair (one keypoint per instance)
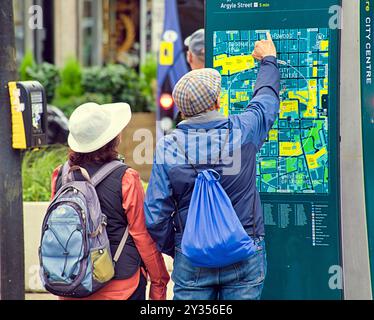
(104, 155)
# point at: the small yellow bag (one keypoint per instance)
(103, 268)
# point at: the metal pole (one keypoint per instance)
(12, 280)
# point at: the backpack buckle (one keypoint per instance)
(104, 221)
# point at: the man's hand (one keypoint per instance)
(264, 48)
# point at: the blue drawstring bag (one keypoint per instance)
(214, 236)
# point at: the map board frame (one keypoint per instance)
(296, 268)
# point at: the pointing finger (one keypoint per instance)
(268, 35)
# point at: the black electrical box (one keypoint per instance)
(29, 114)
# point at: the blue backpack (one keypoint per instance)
(74, 253)
(213, 236)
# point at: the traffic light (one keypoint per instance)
(166, 107)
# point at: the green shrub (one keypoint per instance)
(122, 83)
(37, 168)
(48, 75)
(72, 86)
(148, 74)
(149, 69)
(71, 80)
(68, 105)
(108, 80)
(27, 62)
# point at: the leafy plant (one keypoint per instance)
(149, 69)
(48, 75)
(72, 86)
(37, 169)
(27, 62)
(122, 83)
(148, 74)
(71, 80)
(68, 105)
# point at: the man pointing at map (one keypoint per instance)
(168, 200)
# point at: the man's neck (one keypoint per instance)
(208, 116)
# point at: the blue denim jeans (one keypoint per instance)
(241, 281)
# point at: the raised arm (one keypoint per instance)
(262, 111)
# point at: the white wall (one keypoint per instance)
(33, 219)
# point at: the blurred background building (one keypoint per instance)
(95, 32)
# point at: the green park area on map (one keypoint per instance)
(295, 157)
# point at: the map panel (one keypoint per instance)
(295, 157)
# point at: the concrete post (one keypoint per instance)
(66, 31)
(356, 265)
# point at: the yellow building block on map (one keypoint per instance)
(234, 64)
(312, 162)
(324, 92)
(269, 164)
(299, 95)
(313, 83)
(225, 111)
(273, 135)
(326, 83)
(324, 45)
(315, 69)
(315, 72)
(290, 149)
(311, 112)
(312, 159)
(225, 103)
(242, 96)
(288, 106)
(308, 97)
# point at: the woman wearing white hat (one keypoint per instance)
(95, 135)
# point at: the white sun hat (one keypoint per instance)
(92, 126)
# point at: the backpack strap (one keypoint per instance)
(190, 162)
(214, 164)
(99, 177)
(106, 171)
(122, 245)
(65, 173)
